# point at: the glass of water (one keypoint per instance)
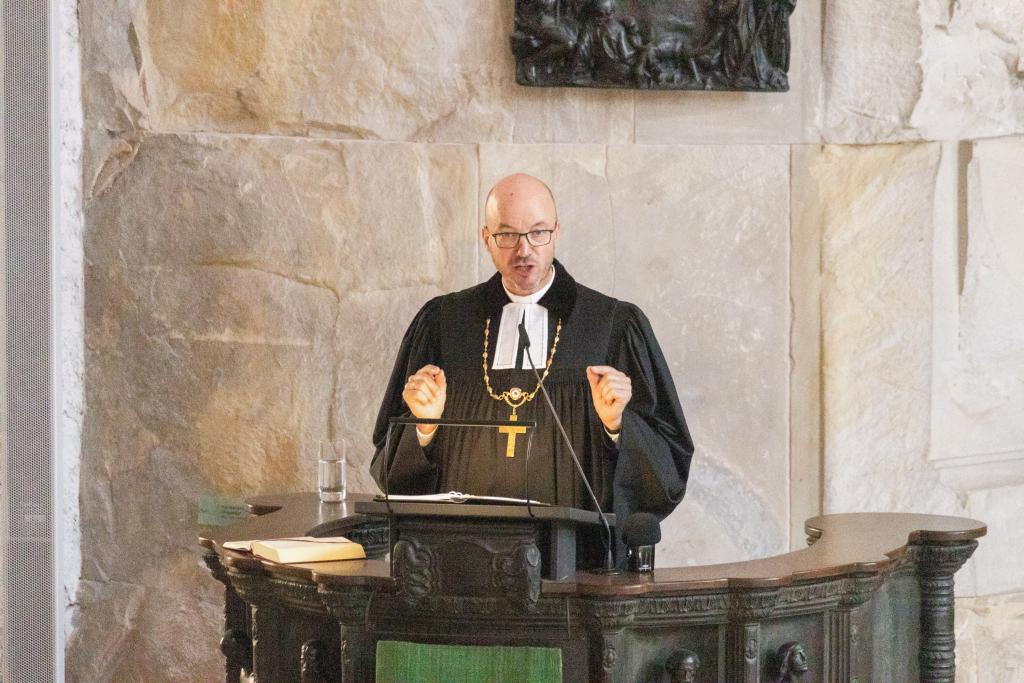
(331, 481)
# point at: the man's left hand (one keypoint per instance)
(611, 391)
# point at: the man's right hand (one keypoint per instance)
(425, 393)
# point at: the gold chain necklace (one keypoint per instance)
(515, 396)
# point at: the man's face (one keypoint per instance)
(524, 268)
(688, 670)
(798, 660)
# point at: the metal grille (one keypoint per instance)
(28, 533)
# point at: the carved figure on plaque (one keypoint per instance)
(792, 663)
(688, 49)
(545, 39)
(682, 667)
(660, 44)
(610, 46)
(776, 40)
(311, 662)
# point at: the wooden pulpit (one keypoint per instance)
(870, 598)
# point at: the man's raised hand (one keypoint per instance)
(611, 391)
(425, 394)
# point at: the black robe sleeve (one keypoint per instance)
(655, 448)
(408, 464)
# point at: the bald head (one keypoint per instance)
(517, 190)
(521, 208)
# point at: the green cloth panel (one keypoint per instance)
(401, 662)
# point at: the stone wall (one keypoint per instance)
(272, 189)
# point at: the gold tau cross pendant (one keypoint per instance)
(510, 444)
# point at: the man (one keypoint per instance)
(610, 45)
(682, 667)
(463, 358)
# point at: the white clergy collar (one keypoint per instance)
(523, 309)
(531, 298)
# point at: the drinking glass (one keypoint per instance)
(331, 480)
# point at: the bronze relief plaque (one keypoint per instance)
(655, 44)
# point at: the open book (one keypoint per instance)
(456, 497)
(302, 549)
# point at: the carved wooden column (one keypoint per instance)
(607, 621)
(936, 566)
(743, 646)
(236, 641)
(254, 589)
(841, 639)
(357, 654)
(294, 638)
(743, 638)
(837, 656)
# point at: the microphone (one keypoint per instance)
(609, 561)
(641, 532)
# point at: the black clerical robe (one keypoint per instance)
(645, 471)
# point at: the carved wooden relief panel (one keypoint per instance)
(656, 44)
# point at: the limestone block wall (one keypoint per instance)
(932, 70)
(271, 189)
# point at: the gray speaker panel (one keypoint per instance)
(28, 539)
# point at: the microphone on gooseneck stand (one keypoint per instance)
(609, 561)
(640, 533)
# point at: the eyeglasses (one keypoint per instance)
(510, 240)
